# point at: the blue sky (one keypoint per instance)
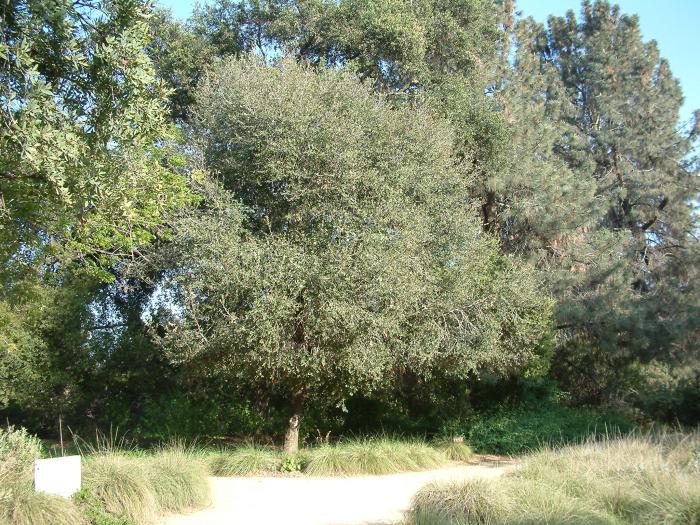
(672, 23)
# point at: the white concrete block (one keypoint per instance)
(60, 476)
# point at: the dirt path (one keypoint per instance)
(368, 500)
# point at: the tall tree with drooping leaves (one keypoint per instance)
(87, 173)
(340, 247)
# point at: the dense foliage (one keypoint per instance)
(87, 175)
(80, 170)
(353, 256)
(369, 213)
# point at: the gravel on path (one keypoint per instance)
(366, 500)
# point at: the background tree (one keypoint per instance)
(625, 108)
(87, 173)
(353, 253)
(81, 162)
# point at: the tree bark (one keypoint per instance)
(291, 437)
(488, 210)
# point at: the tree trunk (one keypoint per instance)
(488, 211)
(291, 437)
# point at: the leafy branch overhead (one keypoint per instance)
(86, 172)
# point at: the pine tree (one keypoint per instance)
(624, 107)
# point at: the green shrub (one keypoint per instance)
(175, 414)
(18, 450)
(666, 393)
(94, 510)
(632, 480)
(292, 463)
(521, 429)
(246, 460)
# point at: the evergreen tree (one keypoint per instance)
(353, 254)
(624, 107)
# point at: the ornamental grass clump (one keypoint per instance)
(468, 502)
(372, 456)
(456, 451)
(27, 507)
(122, 484)
(245, 460)
(613, 481)
(140, 487)
(415, 455)
(178, 477)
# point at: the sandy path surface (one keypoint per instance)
(367, 500)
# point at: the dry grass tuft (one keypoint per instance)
(246, 460)
(178, 477)
(372, 456)
(632, 480)
(122, 485)
(35, 508)
(456, 451)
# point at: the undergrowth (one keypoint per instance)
(522, 429)
(373, 456)
(121, 486)
(610, 481)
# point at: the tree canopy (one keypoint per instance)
(81, 171)
(352, 252)
(287, 207)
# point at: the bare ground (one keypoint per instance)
(366, 500)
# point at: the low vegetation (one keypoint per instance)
(26, 507)
(456, 450)
(524, 428)
(179, 478)
(123, 485)
(120, 486)
(368, 456)
(632, 480)
(347, 458)
(246, 460)
(613, 480)
(19, 504)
